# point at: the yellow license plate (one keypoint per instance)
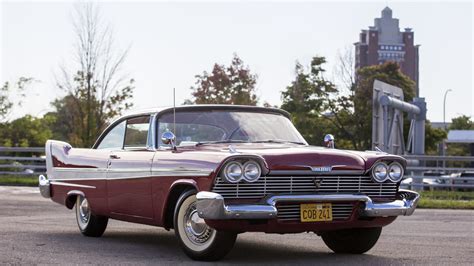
(316, 212)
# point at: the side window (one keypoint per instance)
(136, 132)
(113, 139)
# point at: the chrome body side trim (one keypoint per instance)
(59, 183)
(212, 206)
(44, 186)
(126, 173)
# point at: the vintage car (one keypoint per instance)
(211, 172)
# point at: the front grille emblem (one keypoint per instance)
(317, 182)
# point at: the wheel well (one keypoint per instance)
(71, 198)
(71, 201)
(173, 197)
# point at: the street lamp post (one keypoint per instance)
(444, 108)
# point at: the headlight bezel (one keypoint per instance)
(375, 177)
(402, 172)
(248, 179)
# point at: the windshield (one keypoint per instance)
(194, 128)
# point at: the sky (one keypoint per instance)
(171, 42)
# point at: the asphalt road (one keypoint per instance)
(34, 230)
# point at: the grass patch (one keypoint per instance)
(437, 199)
(19, 180)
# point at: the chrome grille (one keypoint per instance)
(268, 185)
(291, 212)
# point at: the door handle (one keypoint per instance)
(114, 156)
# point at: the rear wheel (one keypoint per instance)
(89, 224)
(354, 241)
(198, 240)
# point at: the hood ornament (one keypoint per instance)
(232, 149)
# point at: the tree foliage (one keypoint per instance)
(26, 131)
(6, 91)
(97, 89)
(307, 97)
(462, 122)
(433, 137)
(233, 84)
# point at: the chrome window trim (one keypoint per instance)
(152, 137)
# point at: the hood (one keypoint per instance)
(293, 157)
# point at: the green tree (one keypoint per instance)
(433, 137)
(6, 103)
(97, 89)
(233, 84)
(26, 131)
(462, 122)
(306, 98)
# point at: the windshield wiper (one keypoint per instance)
(221, 141)
(278, 141)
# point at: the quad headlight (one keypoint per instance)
(381, 172)
(395, 172)
(252, 171)
(234, 172)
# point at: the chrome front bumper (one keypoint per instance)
(212, 206)
(44, 186)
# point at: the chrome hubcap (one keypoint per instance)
(196, 229)
(84, 211)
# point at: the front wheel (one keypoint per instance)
(354, 241)
(198, 240)
(89, 224)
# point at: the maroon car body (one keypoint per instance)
(143, 179)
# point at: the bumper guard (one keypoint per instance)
(44, 186)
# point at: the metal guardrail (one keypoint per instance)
(440, 172)
(13, 164)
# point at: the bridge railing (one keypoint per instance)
(439, 172)
(22, 161)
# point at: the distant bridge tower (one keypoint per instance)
(388, 106)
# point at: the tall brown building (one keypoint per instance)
(385, 42)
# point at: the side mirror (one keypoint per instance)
(169, 138)
(329, 141)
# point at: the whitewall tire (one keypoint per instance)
(198, 240)
(88, 223)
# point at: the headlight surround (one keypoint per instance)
(395, 172)
(380, 172)
(251, 171)
(233, 172)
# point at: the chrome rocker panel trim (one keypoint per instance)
(44, 186)
(211, 205)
